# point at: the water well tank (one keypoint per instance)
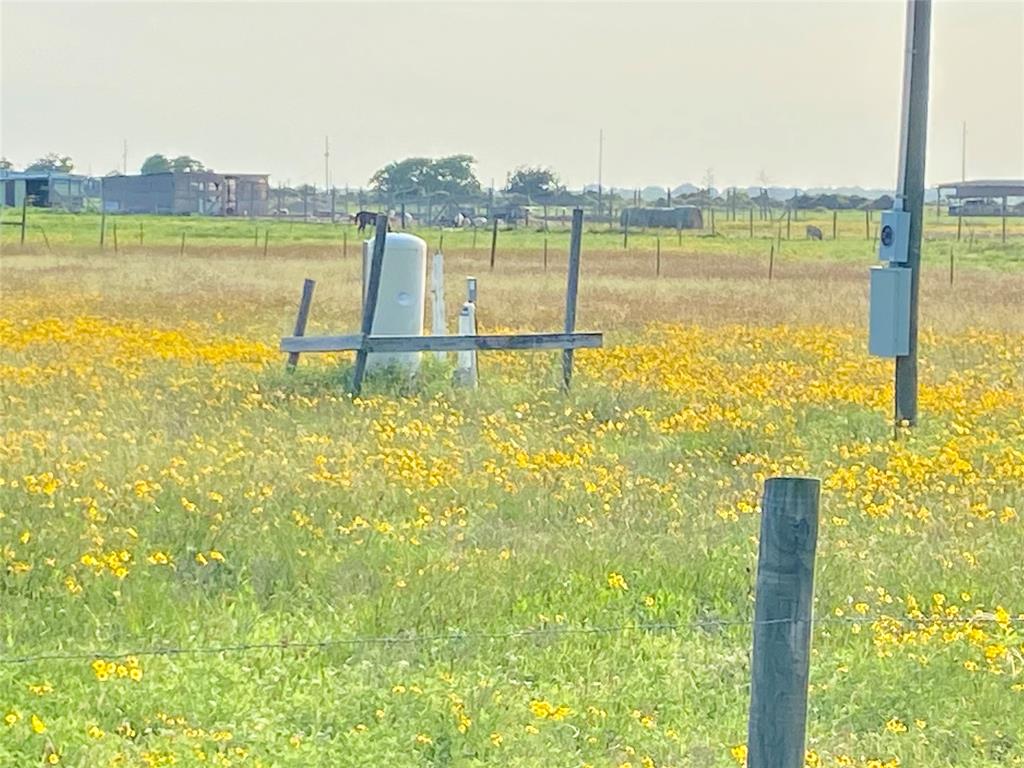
(402, 297)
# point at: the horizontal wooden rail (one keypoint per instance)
(521, 341)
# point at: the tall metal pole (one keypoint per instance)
(963, 152)
(910, 185)
(327, 163)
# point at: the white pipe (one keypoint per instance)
(465, 371)
(437, 325)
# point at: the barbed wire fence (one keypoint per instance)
(458, 636)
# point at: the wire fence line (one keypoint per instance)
(454, 636)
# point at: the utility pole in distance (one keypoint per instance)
(910, 185)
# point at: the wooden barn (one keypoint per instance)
(188, 192)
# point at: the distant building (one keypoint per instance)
(679, 217)
(984, 198)
(45, 189)
(188, 192)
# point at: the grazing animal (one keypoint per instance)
(814, 233)
(363, 218)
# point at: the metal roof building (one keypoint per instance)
(188, 192)
(45, 189)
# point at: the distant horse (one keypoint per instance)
(363, 218)
(813, 233)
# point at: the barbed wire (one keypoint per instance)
(452, 636)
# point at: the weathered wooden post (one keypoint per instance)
(266, 240)
(141, 233)
(370, 303)
(867, 225)
(24, 215)
(344, 243)
(625, 229)
(951, 265)
(181, 252)
(1004, 219)
(545, 254)
(789, 221)
(494, 239)
(572, 288)
(771, 262)
(782, 623)
(835, 225)
(301, 319)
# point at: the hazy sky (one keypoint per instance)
(807, 92)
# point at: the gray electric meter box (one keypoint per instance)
(889, 316)
(894, 237)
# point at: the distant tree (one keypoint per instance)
(187, 164)
(5, 164)
(424, 176)
(155, 164)
(53, 162)
(533, 181)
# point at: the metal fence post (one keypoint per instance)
(782, 623)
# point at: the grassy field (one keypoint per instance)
(428, 576)
(981, 237)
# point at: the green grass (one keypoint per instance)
(424, 529)
(981, 236)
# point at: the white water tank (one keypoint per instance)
(402, 297)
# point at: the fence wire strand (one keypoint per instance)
(454, 636)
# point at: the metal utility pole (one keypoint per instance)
(910, 185)
(963, 153)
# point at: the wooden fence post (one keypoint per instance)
(545, 254)
(344, 243)
(867, 225)
(103, 223)
(47, 240)
(300, 319)
(141, 233)
(24, 215)
(951, 265)
(370, 303)
(572, 288)
(771, 262)
(835, 225)
(182, 251)
(782, 623)
(494, 240)
(789, 218)
(625, 230)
